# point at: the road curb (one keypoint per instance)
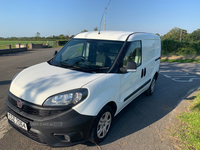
(189, 94)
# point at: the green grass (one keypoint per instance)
(188, 132)
(181, 60)
(12, 43)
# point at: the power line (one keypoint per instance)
(108, 4)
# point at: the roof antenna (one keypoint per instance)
(100, 23)
(102, 17)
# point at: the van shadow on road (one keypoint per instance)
(5, 82)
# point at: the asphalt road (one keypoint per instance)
(141, 125)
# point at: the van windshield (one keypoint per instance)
(88, 55)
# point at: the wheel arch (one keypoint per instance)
(156, 75)
(113, 105)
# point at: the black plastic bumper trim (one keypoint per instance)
(137, 90)
(157, 58)
(67, 122)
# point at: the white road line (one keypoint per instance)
(173, 72)
(182, 76)
(179, 76)
(4, 126)
(180, 80)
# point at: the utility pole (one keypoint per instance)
(181, 35)
(105, 19)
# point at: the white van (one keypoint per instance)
(74, 96)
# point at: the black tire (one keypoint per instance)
(151, 88)
(105, 125)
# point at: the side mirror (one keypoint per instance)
(130, 67)
(55, 53)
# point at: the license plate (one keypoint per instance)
(17, 121)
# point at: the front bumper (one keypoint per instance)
(63, 129)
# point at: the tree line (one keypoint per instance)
(179, 34)
(38, 37)
(175, 42)
(176, 34)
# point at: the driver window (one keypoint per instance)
(134, 54)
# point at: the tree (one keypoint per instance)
(61, 36)
(72, 36)
(176, 34)
(67, 37)
(84, 30)
(194, 36)
(95, 29)
(157, 34)
(37, 35)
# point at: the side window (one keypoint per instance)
(134, 54)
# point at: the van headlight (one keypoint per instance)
(69, 98)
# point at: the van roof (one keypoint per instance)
(116, 35)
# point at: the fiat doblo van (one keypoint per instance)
(74, 96)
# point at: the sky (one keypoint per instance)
(24, 18)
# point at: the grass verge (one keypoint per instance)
(188, 132)
(181, 60)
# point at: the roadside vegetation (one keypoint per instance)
(178, 42)
(188, 132)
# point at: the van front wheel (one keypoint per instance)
(151, 88)
(101, 125)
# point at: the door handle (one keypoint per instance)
(142, 73)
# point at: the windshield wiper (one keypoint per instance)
(98, 68)
(72, 66)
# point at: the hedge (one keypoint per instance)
(172, 47)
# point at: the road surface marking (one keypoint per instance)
(4, 126)
(179, 76)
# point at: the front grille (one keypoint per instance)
(32, 135)
(34, 111)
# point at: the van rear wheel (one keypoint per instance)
(102, 125)
(151, 88)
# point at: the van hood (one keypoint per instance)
(35, 84)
